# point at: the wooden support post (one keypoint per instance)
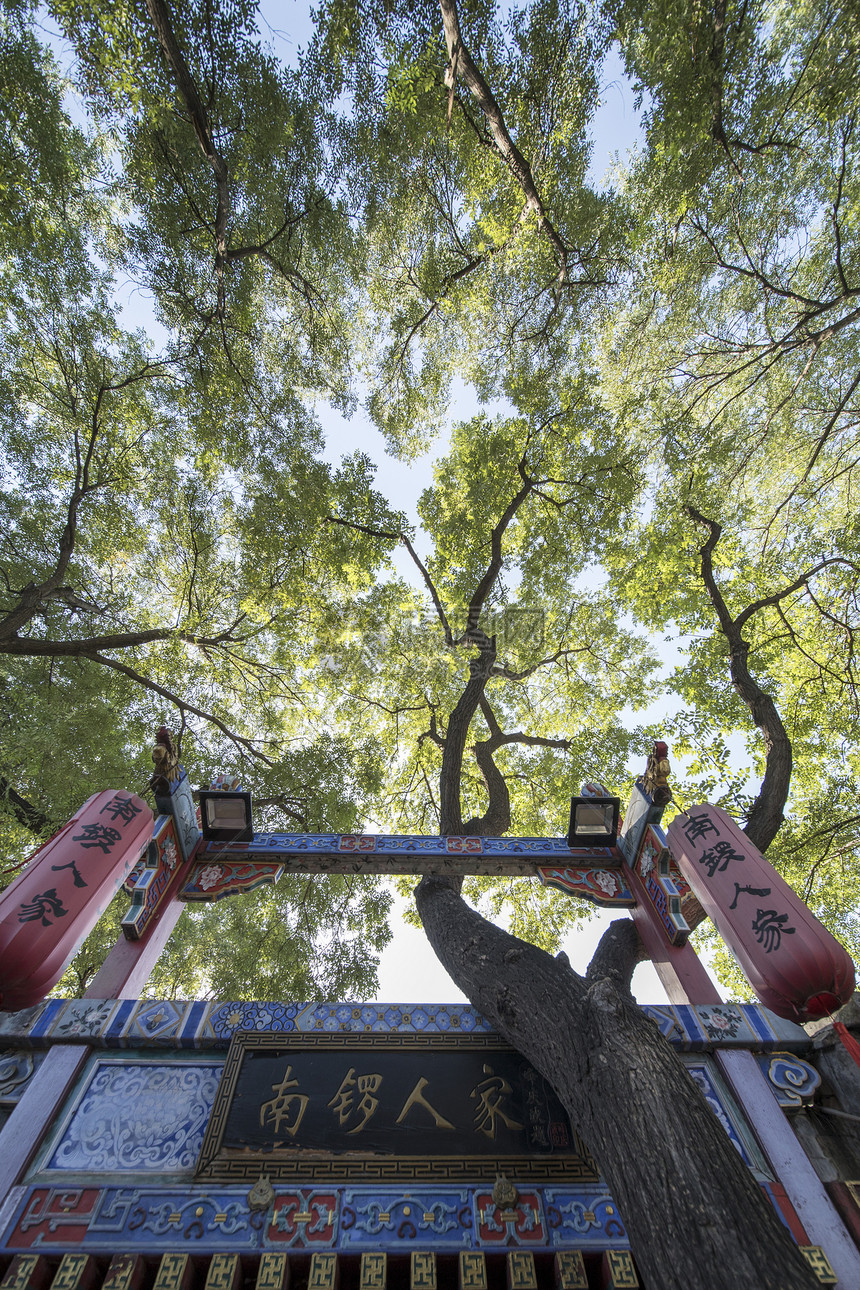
(126, 1272)
(682, 973)
(522, 1274)
(27, 1272)
(473, 1270)
(129, 965)
(374, 1271)
(790, 1163)
(34, 1114)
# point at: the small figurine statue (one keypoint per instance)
(656, 782)
(261, 1194)
(505, 1193)
(165, 757)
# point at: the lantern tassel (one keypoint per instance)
(848, 1040)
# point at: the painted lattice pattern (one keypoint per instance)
(621, 1270)
(820, 1264)
(223, 1272)
(172, 1272)
(272, 1272)
(570, 1271)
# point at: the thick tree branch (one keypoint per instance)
(187, 89)
(25, 812)
(243, 744)
(496, 820)
(433, 733)
(462, 67)
(451, 819)
(600, 1052)
(778, 596)
(618, 952)
(766, 815)
(36, 647)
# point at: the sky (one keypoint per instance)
(409, 971)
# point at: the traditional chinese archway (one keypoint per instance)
(337, 1137)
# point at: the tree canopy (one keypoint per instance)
(653, 505)
(649, 505)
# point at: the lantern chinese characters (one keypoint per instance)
(54, 904)
(796, 968)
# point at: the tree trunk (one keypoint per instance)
(695, 1216)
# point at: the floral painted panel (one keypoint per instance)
(140, 1116)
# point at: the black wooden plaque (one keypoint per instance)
(357, 1107)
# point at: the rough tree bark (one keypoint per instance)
(696, 1217)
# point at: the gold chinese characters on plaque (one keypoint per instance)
(347, 1107)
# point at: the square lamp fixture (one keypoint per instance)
(593, 821)
(226, 817)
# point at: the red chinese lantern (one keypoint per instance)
(67, 885)
(796, 968)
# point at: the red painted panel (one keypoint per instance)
(794, 965)
(55, 1216)
(67, 885)
(779, 1199)
(519, 1224)
(303, 1218)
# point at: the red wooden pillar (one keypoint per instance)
(682, 973)
(129, 965)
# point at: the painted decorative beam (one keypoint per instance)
(223, 869)
(408, 853)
